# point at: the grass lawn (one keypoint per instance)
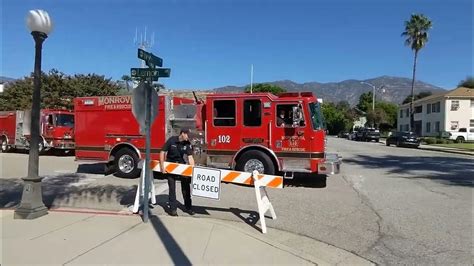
(466, 146)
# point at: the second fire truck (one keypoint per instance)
(56, 130)
(232, 131)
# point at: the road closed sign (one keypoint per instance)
(206, 183)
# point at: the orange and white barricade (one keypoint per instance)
(227, 176)
(259, 181)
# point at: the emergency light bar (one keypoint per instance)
(295, 94)
(88, 102)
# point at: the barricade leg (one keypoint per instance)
(263, 203)
(138, 195)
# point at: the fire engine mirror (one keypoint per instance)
(297, 116)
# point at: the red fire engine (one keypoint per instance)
(234, 131)
(56, 130)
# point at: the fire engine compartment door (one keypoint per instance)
(254, 130)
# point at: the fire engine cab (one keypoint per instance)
(259, 131)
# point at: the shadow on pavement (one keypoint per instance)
(456, 171)
(306, 180)
(93, 168)
(249, 217)
(64, 190)
(174, 250)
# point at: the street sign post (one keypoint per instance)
(145, 95)
(150, 59)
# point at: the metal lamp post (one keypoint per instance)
(31, 205)
(373, 94)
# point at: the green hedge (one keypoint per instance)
(429, 141)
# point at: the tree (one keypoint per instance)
(58, 90)
(420, 95)
(334, 118)
(127, 79)
(265, 87)
(416, 33)
(468, 82)
(365, 101)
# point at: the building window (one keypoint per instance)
(454, 105)
(407, 112)
(401, 127)
(252, 113)
(407, 127)
(428, 127)
(401, 113)
(224, 113)
(428, 108)
(437, 126)
(471, 123)
(436, 107)
(418, 109)
(454, 125)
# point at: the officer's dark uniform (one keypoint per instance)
(175, 151)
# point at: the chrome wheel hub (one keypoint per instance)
(126, 164)
(254, 164)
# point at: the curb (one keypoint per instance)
(447, 151)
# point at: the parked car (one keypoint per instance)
(462, 135)
(352, 135)
(367, 134)
(343, 135)
(371, 134)
(404, 138)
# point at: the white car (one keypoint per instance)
(462, 135)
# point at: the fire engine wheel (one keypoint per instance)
(41, 146)
(126, 163)
(255, 160)
(5, 147)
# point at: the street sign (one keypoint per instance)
(153, 74)
(139, 103)
(150, 59)
(206, 182)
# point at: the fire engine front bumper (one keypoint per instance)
(330, 165)
(63, 145)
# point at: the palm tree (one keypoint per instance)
(416, 33)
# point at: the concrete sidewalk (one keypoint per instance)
(74, 238)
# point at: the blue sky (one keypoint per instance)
(212, 43)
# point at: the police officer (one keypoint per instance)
(174, 150)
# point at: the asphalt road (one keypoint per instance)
(389, 205)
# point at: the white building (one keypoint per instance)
(439, 113)
(1, 88)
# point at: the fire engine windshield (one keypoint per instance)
(317, 118)
(65, 120)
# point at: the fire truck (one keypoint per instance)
(56, 130)
(228, 131)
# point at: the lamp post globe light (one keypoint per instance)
(31, 205)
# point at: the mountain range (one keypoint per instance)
(395, 89)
